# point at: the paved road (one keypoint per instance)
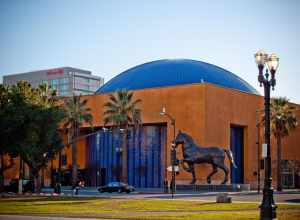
(292, 197)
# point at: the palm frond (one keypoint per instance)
(283, 117)
(120, 110)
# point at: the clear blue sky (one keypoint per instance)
(108, 37)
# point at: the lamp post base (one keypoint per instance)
(268, 207)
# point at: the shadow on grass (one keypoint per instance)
(293, 200)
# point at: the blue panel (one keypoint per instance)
(236, 146)
(101, 149)
(163, 160)
(110, 166)
(156, 159)
(130, 155)
(137, 179)
(145, 154)
(162, 73)
(143, 158)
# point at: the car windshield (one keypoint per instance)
(113, 184)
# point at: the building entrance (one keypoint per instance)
(237, 148)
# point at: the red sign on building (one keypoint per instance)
(56, 72)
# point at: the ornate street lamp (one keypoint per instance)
(267, 207)
(258, 143)
(173, 149)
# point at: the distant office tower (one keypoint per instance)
(65, 80)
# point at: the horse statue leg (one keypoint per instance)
(215, 170)
(192, 170)
(226, 171)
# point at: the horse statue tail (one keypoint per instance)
(230, 157)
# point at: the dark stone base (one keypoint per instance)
(214, 188)
(223, 198)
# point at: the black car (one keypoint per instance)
(116, 187)
(28, 186)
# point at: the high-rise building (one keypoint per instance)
(65, 80)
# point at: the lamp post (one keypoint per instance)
(258, 123)
(267, 207)
(173, 149)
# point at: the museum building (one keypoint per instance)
(214, 106)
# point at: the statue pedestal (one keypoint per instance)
(214, 188)
(223, 198)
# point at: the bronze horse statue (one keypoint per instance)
(194, 154)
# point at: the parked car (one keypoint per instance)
(116, 187)
(28, 186)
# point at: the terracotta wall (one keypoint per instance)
(291, 144)
(13, 172)
(226, 107)
(184, 103)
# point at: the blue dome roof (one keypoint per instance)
(162, 73)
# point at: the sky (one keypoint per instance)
(109, 37)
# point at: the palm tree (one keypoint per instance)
(283, 120)
(77, 114)
(121, 111)
(45, 96)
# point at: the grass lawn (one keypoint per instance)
(138, 209)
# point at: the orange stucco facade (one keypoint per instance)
(204, 111)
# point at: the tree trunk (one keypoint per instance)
(124, 156)
(43, 177)
(51, 174)
(37, 182)
(279, 186)
(74, 158)
(59, 167)
(21, 174)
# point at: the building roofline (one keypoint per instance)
(187, 84)
(205, 66)
(48, 69)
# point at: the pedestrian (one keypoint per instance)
(81, 184)
(76, 188)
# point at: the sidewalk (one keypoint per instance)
(93, 190)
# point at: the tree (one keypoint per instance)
(77, 114)
(45, 96)
(283, 120)
(12, 106)
(121, 111)
(4, 165)
(43, 139)
(29, 125)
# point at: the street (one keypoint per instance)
(287, 196)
